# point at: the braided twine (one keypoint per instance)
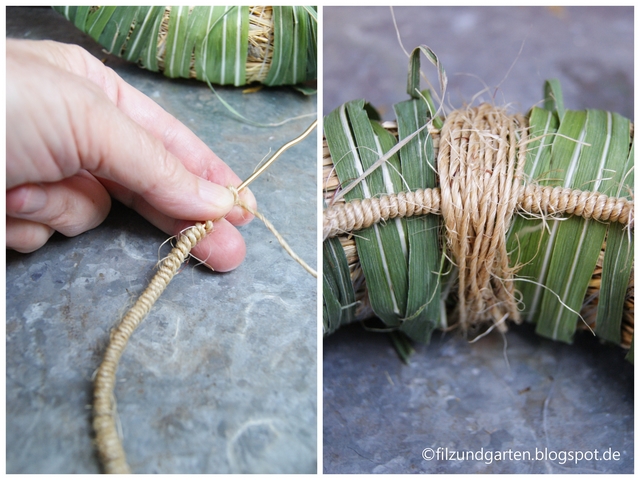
(480, 166)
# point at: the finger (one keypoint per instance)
(83, 129)
(177, 138)
(70, 206)
(25, 236)
(223, 249)
(194, 154)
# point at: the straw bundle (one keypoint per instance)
(226, 45)
(479, 218)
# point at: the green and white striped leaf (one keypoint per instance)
(413, 78)
(97, 21)
(402, 345)
(298, 67)
(147, 21)
(214, 38)
(176, 39)
(389, 269)
(553, 100)
(417, 160)
(616, 267)
(577, 242)
(80, 19)
(282, 45)
(223, 55)
(338, 294)
(312, 53)
(68, 12)
(116, 31)
(382, 249)
(527, 238)
(145, 40)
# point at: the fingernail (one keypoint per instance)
(217, 196)
(35, 199)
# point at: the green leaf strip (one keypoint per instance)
(210, 43)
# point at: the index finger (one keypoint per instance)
(176, 137)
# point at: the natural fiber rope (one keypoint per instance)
(107, 439)
(480, 168)
(358, 214)
(108, 442)
(480, 165)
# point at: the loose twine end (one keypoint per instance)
(272, 229)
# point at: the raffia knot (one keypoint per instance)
(480, 166)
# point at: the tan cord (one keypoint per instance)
(273, 230)
(278, 152)
(358, 214)
(107, 440)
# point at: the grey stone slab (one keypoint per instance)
(510, 50)
(378, 414)
(221, 377)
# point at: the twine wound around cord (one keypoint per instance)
(107, 440)
(480, 164)
(358, 214)
(481, 168)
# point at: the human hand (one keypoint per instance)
(77, 132)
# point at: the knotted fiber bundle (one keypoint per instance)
(479, 218)
(225, 45)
